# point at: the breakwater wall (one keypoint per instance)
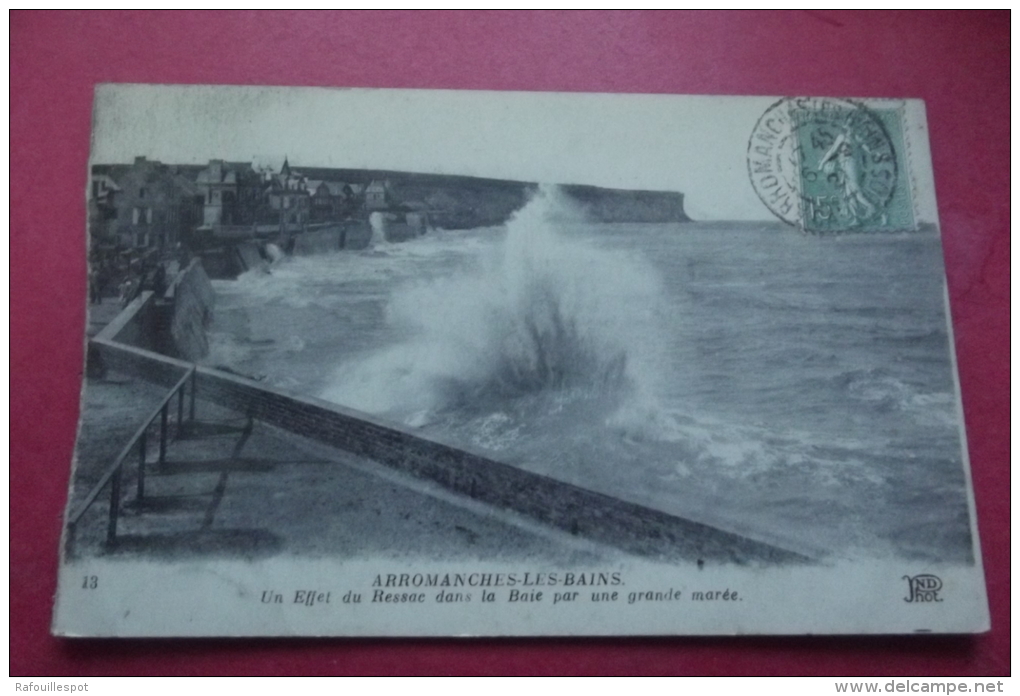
(399, 227)
(192, 303)
(592, 515)
(172, 324)
(239, 249)
(319, 239)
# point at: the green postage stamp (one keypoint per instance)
(834, 165)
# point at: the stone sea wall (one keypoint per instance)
(561, 505)
(192, 310)
(320, 239)
(173, 324)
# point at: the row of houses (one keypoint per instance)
(148, 205)
(154, 205)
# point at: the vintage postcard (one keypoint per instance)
(427, 363)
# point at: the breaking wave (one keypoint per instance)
(542, 318)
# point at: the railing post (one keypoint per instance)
(180, 412)
(194, 387)
(69, 541)
(141, 466)
(162, 433)
(114, 475)
(111, 530)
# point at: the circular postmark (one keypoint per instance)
(823, 164)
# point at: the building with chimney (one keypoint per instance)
(102, 209)
(377, 195)
(289, 196)
(231, 193)
(332, 200)
(153, 205)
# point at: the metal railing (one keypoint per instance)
(113, 476)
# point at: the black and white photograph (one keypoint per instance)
(452, 363)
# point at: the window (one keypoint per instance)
(136, 214)
(148, 216)
(141, 192)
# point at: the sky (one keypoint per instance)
(695, 145)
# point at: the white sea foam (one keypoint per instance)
(378, 225)
(540, 313)
(274, 253)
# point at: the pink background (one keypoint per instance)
(958, 63)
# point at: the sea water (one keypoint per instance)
(795, 388)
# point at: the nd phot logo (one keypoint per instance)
(922, 588)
